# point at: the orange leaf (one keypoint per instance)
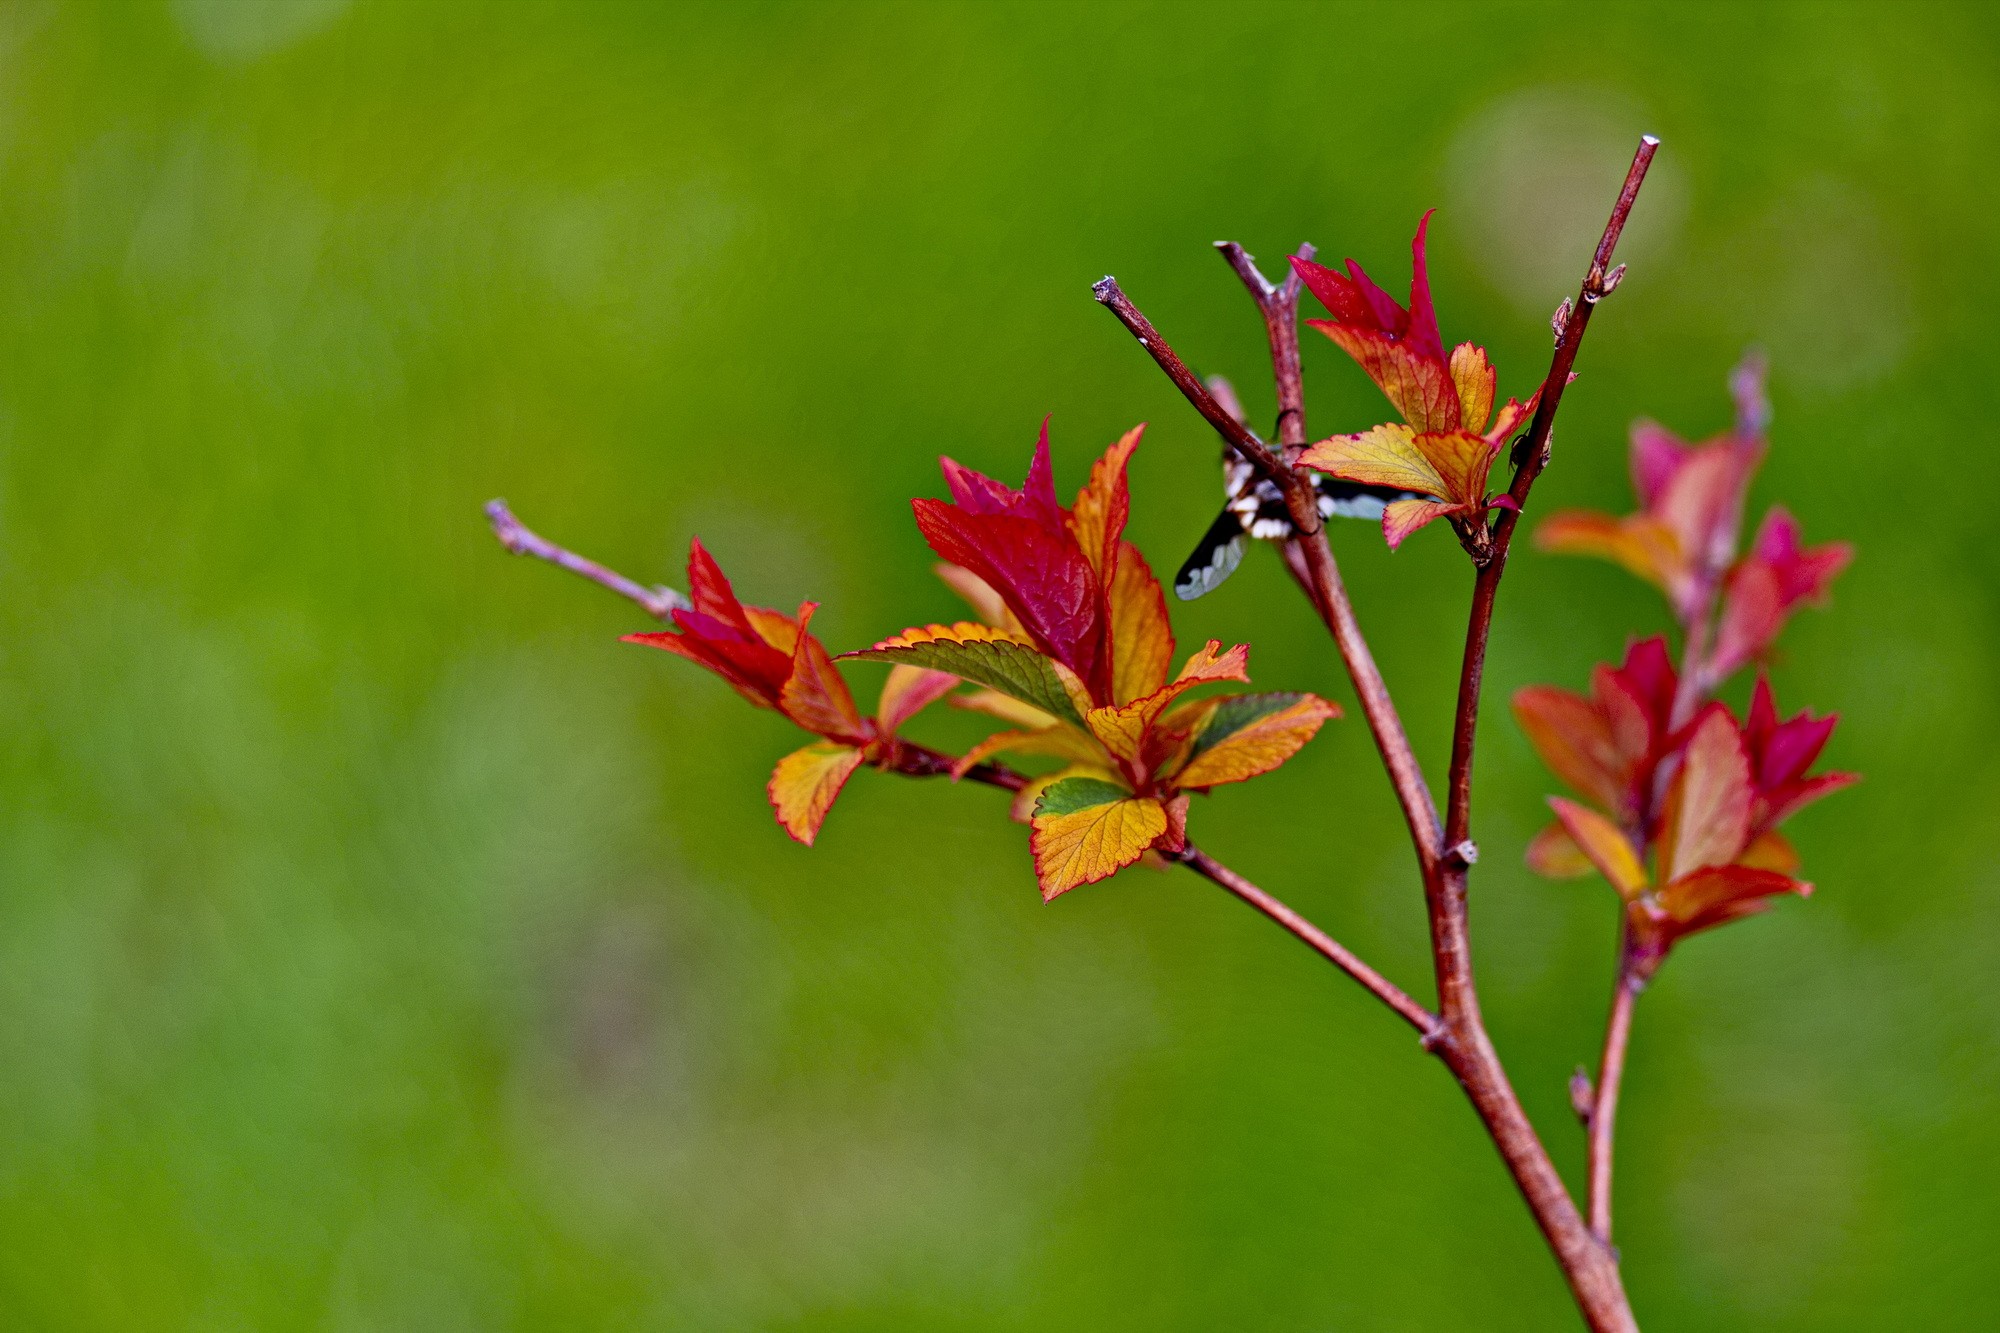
(1718, 894)
(1461, 459)
(1384, 456)
(1513, 416)
(1142, 638)
(1553, 853)
(1102, 506)
(995, 704)
(1086, 830)
(1420, 388)
(804, 784)
(1403, 517)
(1605, 844)
(1249, 734)
(1771, 850)
(773, 627)
(979, 595)
(1707, 819)
(1642, 544)
(1571, 736)
(815, 696)
(1474, 377)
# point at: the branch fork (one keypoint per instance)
(1454, 1031)
(1444, 849)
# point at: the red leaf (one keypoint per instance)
(1707, 819)
(814, 695)
(1041, 575)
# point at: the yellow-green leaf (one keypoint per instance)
(985, 656)
(1086, 829)
(1249, 734)
(805, 783)
(1384, 456)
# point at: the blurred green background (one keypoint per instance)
(383, 946)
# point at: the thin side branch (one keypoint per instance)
(1279, 305)
(1308, 556)
(1531, 456)
(1239, 436)
(658, 601)
(1604, 1102)
(920, 761)
(1418, 1017)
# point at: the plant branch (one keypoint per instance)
(1279, 305)
(1531, 455)
(658, 601)
(920, 761)
(1604, 1100)
(1418, 1017)
(1308, 556)
(1239, 436)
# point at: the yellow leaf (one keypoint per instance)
(804, 784)
(1061, 740)
(1473, 375)
(1249, 734)
(1462, 460)
(1123, 727)
(1605, 844)
(1102, 505)
(995, 704)
(1022, 811)
(1384, 456)
(1086, 830)
(1142, 639)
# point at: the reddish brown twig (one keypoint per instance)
(1531, 456)
(658, 601)
(1239, 436)
(920, 761)
(1279, 305)
(1418, 1017)
(1604, 1099)
(1461, 1040)
(1313, 564)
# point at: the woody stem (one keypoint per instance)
(1531, 455)
(1314, 938)
(658, 601)
(1604, 1099)
(1462, 1042)
(1309, 556)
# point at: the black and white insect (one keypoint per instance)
(1255, 508)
